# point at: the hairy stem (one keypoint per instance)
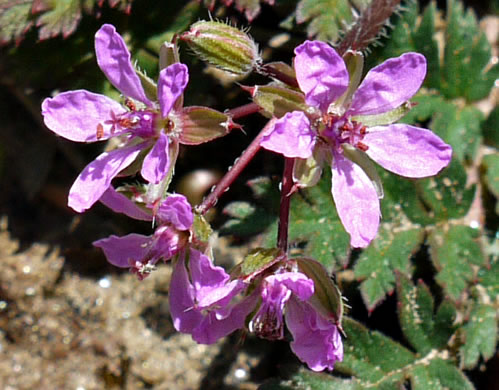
(241, 163)
(368, 25)
(286, 191)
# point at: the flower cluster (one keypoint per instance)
(203, 303)
(344, 122)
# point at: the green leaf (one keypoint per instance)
(56, 17)
(480, 335)
(467, 53)
(307, 380)
(372, 357)
(60, 17)
(426, 201)
(390, 251)
(421, 328)
(15, 19)
(326, 17)
(454, 249)
(465, 71)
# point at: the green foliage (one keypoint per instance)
(454, 250)
(464, 71)
(53, 17)
(390, 251)
(315, 222)
(326, 17)
(423, 329)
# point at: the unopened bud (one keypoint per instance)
(223, 46)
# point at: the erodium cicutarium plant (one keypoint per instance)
(322, 113)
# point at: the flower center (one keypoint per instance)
(340, 130)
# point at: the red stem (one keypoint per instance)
(242, 111)
(286, 192)
(241, 163)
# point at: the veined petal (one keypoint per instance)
(298, 283)
(80, 115)
(356, 201)
(171, 84)
(321, 73)
(291, 136)
(124, 251)
(211, 283)
(156, 163)
(177, 211)
(113, 58)
(407, 150)
(119, 203)
(95, 179)
(185, 317)
(212, 327)
(389, 84)
(316, 341)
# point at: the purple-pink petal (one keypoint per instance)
(211, 283)
(156, 163)
(126, 250)
(291, 136)
(177, 211)
(356, 201)
(96, 178)
(321, 73)
(220, 323)
(80, 115)
(316, 341)
(171, 84)
(113, 58)
(389, 84)
(298, 283)
(119, 203)
(182, 305)
(407, 150)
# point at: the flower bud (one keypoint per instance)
(223, 46)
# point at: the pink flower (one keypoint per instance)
(332, 129)
(202, 303)
(138, 252)
(83, 116)
(201, 299)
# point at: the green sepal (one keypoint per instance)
(354, 60)
(150, 87)
(202, 124)
(283, 68)
(385, 118)
(306, 172)
(276, 100)
(223, 46)
(201, 227)
(168, 55)
(255, 262)
(327, 298)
